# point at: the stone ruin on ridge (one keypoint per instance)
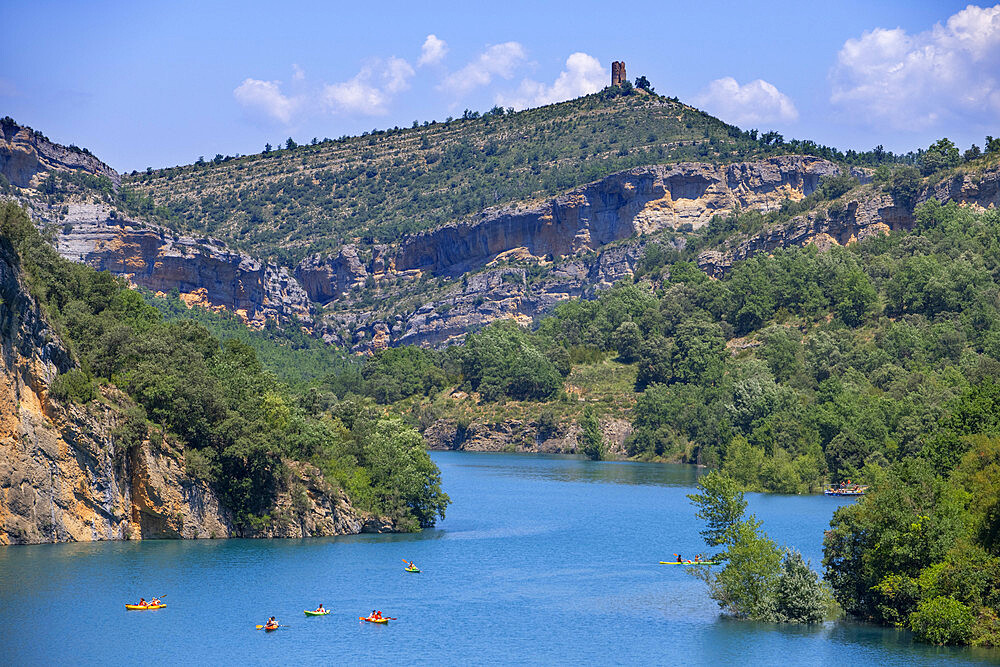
(618, 75)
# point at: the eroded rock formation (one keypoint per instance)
(26, 156)
(204, 270)
(870, 212)
(514, 435)
(644, 199)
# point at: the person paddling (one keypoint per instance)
(320, 609)
(680, 559)
(143, 603)
(271, 624)
(378, 615)
(155, 602)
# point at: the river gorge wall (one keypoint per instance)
(65, 476)
(432, 288)
(203, 270)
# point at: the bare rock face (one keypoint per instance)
(872, 212)
(25, 155)
(519, 436)
(203, 270)
(64, 477)
(327, 278)
(644, 199)
(587, 239)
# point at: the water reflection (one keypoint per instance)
(568, 468)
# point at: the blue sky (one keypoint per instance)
(159, 84)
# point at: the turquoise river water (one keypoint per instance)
(540, 560)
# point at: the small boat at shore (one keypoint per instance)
(854, 490)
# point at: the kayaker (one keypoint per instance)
(154, 602)
(378, 614)
(680, 559)
(320, 608)
(143, 603)
(271, 623)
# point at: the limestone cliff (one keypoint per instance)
(865, 212)
(65, 477)
(26, 156)
(524, 436)
(582, 240)
(91, 230)
(203, 270)
(640, 200)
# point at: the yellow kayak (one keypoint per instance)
(145, 606)
(689, 562)
(373, 620)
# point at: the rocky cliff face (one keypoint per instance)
(644, 199)
(204, 270)
(65, 477)
(26, 155)
(523, 436)
(868, 212)
(584, 239)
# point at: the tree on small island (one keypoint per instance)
(760, 581)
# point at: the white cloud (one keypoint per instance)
(916, 81)
(584, 74)
(370, 90)
(355, 96)
(433, 51)
(498, 60)
(367, 93)
(266, 98)
(754, 103)
(396, 73)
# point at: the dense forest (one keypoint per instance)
(237, 422)
(791, 371)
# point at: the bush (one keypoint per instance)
(942, 620)
(74, 385)
(799, 596)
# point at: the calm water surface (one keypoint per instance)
(541, 559)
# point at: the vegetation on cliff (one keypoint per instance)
(238, 423)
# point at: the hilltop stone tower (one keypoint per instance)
(618, 75)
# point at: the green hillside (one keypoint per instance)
(289, 202)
